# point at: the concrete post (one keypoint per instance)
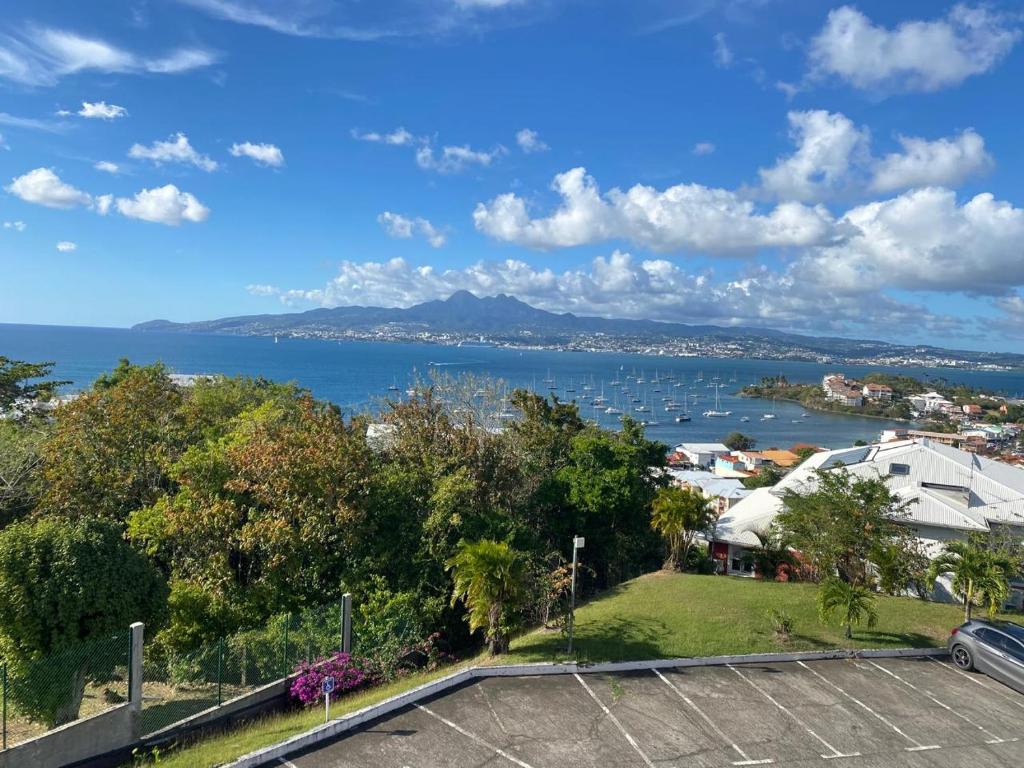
(346, 623)
(135, 666)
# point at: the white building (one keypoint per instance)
(724, 492)
(953, 493)
(930, 402)
(700, 454)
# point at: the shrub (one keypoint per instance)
(350, 673)
(781, 623)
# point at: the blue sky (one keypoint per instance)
(809, 166)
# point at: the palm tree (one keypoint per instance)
(679, 514)
(771, 553)
(980, 576)
(853, 605)
(490, 578)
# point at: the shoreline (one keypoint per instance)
(829, 410)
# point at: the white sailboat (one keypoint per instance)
(716, 412)
(771, 414)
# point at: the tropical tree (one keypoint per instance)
(679, 514)
(979, 576)
(490, 578)
(737, 441)
(771, 554)
(19, 385)
(852, 605)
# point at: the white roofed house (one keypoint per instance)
(954, 493)
(701, 455)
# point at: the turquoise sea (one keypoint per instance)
(356, 375)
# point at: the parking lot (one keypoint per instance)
(869, 712)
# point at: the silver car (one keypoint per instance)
(993, 647)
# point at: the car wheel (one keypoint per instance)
(962, 657)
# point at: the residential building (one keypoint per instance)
(781, 458)
(842, 390)
(970, 409)
(930, 402)
(877, 392)
(724, 493)
(701, 455)
(952, 493)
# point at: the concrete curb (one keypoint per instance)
(353, 720)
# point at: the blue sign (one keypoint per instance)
(327, 686)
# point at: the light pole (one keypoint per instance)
(577, 545)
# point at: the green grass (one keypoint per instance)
(660, 615)
(225, 747)
(664, 615)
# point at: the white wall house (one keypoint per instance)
(953, 492)
(700, 454)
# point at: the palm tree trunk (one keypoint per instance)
(848, 633)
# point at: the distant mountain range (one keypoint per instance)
(506, 319)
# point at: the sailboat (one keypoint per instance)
(394, 386)
(716, 412)
(685, 415)
(770, 415)
(549, 380)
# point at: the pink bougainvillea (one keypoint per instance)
(349, 672)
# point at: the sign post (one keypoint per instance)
(327, 686)
(577, 545)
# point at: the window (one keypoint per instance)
(1008, 646)
(899, 469)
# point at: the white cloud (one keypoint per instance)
(107, 167)
(723, 54)
(103, 204)
(41, 56)
(66, 246)
(945, 162)
(530, 141)
(828, 144)
(17, 226)
(454, 159)
(923, 240)
(177, 149)
(263, 154)
(916, 55)
(682, 217)
(43, 187)
(262, 290)
(703, 148)
(398, 137)
(163, 205)
(101, 110)
(403, 227)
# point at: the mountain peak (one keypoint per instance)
(463, 297)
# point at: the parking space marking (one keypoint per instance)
(835, 752)
(992, 738)
(747, 760)
(918, 746)
(615, 720)
(474, 737)
(975, 679)
(483, 694)
(286, 763)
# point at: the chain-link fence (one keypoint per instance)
(81, 681)
(179, 685)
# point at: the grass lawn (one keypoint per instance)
(665, 615)
(660, 615)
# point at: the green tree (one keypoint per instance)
(767, 476)
(737, 441)
(837, 519)
(678, 515)
(63, 583)
(490, 578)
(772, 553)
(901, 566)
(979, 575)
(20, 461)
(19, 385)
(852, 605)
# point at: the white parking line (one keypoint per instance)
(746, 758)
(977, 681)
(286, 763)
(474, 737)
(614, 719)
(835, 752)
(992, 738)
(918, 746)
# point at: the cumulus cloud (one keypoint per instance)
(42, 55)
(396, 138)
(703, 148)
(530, 141)
(833, 158)
(723, 54)
(101, 110)
(914, 56)
(947, 162)
(17, 226)
(163, 205)
(176, 149)
(403, 227)
(681, 217)
(263, 154)
(43, 187)
(454, 159)
(66, 246)
(107, 167)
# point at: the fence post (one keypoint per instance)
(284, 650)
(3, 684)
(346, 623)
(136, 631)
(220, 670)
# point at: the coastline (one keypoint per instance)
(829, 410)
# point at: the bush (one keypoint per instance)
(350, 673)
(781, 623)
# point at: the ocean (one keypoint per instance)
(356, 375)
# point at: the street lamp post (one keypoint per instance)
(577, 545)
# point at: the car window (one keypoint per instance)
(1010, 646)
(985, 635)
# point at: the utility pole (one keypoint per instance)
(577, 545)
